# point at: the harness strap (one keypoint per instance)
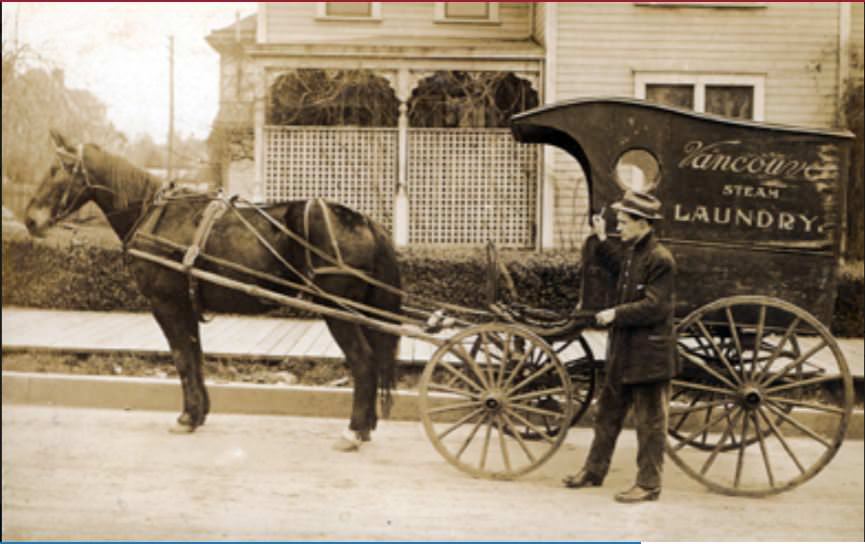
(212, 212)
(339, 264)
(326, 211)
(362, 275)
(148, 220)
(306, 210)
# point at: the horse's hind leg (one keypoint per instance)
(384, 350)
(180, 326)
(359, 356)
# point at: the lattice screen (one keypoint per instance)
(352, 166)
(468, 186)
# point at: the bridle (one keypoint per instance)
(78, 171)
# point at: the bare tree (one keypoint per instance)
(36, 99)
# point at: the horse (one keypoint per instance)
(127, 195)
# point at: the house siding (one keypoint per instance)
(236, 80)
(539, 23)
(601, 46)
(591, 50)
(297, 23)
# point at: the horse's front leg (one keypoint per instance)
(180, 326)
(358, 355)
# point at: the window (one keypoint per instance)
(467, 12)
(349, 10)
(729, 5)
(637, 170)
(736, 96)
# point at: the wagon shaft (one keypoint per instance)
(292, 302)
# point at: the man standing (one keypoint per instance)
(641, 347)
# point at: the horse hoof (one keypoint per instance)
(181, 428)
(349, 441)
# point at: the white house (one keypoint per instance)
(399, 109)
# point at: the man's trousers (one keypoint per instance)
(651, 406)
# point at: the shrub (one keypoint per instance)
(70, 275)
(67, 277)
(459, 276)
(854, 114)
(848, 319)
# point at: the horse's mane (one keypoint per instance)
(128, 182)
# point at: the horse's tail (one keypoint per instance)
(386, 270)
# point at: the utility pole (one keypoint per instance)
(17, 17)
(169, 168)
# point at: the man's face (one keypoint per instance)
(630, 228)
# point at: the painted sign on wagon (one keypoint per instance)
(738, 189)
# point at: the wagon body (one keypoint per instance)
(749, 208)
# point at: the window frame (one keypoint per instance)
(700, 81)
(321, 13)
(492, 19)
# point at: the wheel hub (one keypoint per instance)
(492, 401)
(751, 397)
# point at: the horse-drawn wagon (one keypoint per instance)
(753, 217)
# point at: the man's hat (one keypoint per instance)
(639, 204)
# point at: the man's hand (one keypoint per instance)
(599, 226)
(605, 317)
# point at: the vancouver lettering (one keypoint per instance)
(738, 217)
(727, 156)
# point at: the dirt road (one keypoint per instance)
(101, 474)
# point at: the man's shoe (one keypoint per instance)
(639, 494)
(581, 479)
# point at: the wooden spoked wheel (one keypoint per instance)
(579, 362)
(481, 386)
(763, 398)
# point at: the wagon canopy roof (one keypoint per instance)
(571, 124)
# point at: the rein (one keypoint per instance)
(333, 265)
(343, 268)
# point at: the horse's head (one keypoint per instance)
(64, 189)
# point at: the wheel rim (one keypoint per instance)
(763, 399)
(480, 386)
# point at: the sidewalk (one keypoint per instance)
(256, 338)
(243, 337)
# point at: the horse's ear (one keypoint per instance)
(60, 141)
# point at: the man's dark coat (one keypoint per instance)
(641, 344)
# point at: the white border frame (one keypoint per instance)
(493, 18)
(321, 13)
(728, 5)
(699, 81)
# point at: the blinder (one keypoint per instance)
(66, 204)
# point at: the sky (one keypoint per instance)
(119, 52)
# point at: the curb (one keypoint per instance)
(123, 393)
(84, 391)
